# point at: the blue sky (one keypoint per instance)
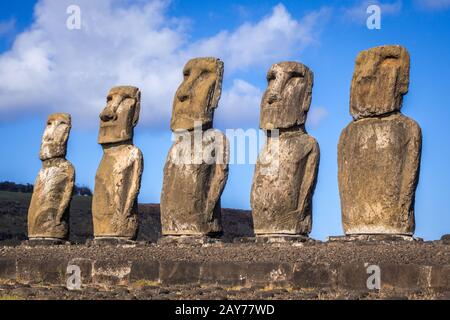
(44, 67)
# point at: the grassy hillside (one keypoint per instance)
(14, 209)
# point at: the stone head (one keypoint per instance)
(56, 134)
(198, 95)
(380, 80)
(288, 96)
(120, 116)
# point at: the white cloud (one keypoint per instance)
(50, 68)
(239, 105)
(433, 4)
(358, 12)
(274, 37)
(315, 116)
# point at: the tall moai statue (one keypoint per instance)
(379, 152)
(196, 169)
(286, 170)
(48, 215)
(118, 178)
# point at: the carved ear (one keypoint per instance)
(404, 71)
(309, 78)
(137, 108)
(218, 87)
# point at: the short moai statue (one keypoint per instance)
(48, 215)
(196, 169)
(287, 167)
(379, 151)
(118, 178)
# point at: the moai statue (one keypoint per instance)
(379, 152)
(48, 215)
(196, 169)
(118, 179)
(286, 170)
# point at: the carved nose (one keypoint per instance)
(273, 97)
(182, 96)
(107, 115)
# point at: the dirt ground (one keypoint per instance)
(25, 292)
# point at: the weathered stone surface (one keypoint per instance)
(402, 277)
(35, 271)
(379, 152)
(229, 274)
(440, 278)
(406, 268)
(118, 178)
(374, 238)
(352, 277)
(179, 272)
(196, 169)
(266, 273)
(7, 269)
(286, 170)
(145, 271)
(188, 240)
(287, 99)
(380, 80)
(308, 275)
(283, 239)
(48, 214)
(111, 272)
(198, 95)
(39, 242)
(277, 240)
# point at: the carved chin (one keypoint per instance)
(50, 151)
(112, 135)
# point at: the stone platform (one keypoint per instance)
(308, 270)
(379, 238)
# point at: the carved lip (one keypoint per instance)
(274, 105)
(108, 124)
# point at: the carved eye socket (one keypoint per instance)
(109, 98)
(186, 73)
(49, 123)
(271, 76)
(296, 74)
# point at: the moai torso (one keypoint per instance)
(48, 215)
(282, 187)
(286, 170)
(116, 190)
(379, 152)
(190, 198)
(190, 201)
(118, 178)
